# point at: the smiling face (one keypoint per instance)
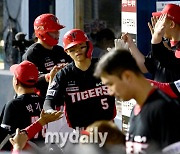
(118, 87)
(78, 52)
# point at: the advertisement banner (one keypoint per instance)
(129, 17)
(128, 5)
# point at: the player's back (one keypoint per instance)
(23, 111)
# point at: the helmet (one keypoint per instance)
(47, 23)
(74, 37)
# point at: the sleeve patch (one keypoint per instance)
(177, 84)
(51, 92)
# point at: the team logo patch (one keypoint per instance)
(51, 92)
(177, 84)
(48, 64)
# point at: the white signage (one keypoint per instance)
(128, 22)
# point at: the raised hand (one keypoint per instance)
(159, 29)
(55, 69)
(127, 39)
(151, 25)
(120, 43)
(160, 25)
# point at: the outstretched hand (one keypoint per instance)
(46, 117)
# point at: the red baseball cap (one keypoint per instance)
(26, 72)
(172, 10)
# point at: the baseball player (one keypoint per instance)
(30, 131)
(154, 121)
(45, 53)
(86, 98)
(26, 107)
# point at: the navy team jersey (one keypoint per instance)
(45, 60)
(156, 126)
(86, 98)
(22, 112)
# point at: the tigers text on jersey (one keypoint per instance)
(86, 98)
(156, 126)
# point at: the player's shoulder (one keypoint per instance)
(29, 97)
(13, 103)
(34, 47)
(32, 51)
(159, 100)
(58, 48)
(59, 52)
(67, 70)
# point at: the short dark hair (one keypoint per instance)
(116, 62)
(105, 33)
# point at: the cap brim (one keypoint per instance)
(157, 14)
(62, 26)
(177, 54)
(57, 27)
(13, 68)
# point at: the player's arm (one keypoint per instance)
(55, 93)
(44, 119)
(165, 87)
(140, 58)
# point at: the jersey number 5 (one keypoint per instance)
(104, 103)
